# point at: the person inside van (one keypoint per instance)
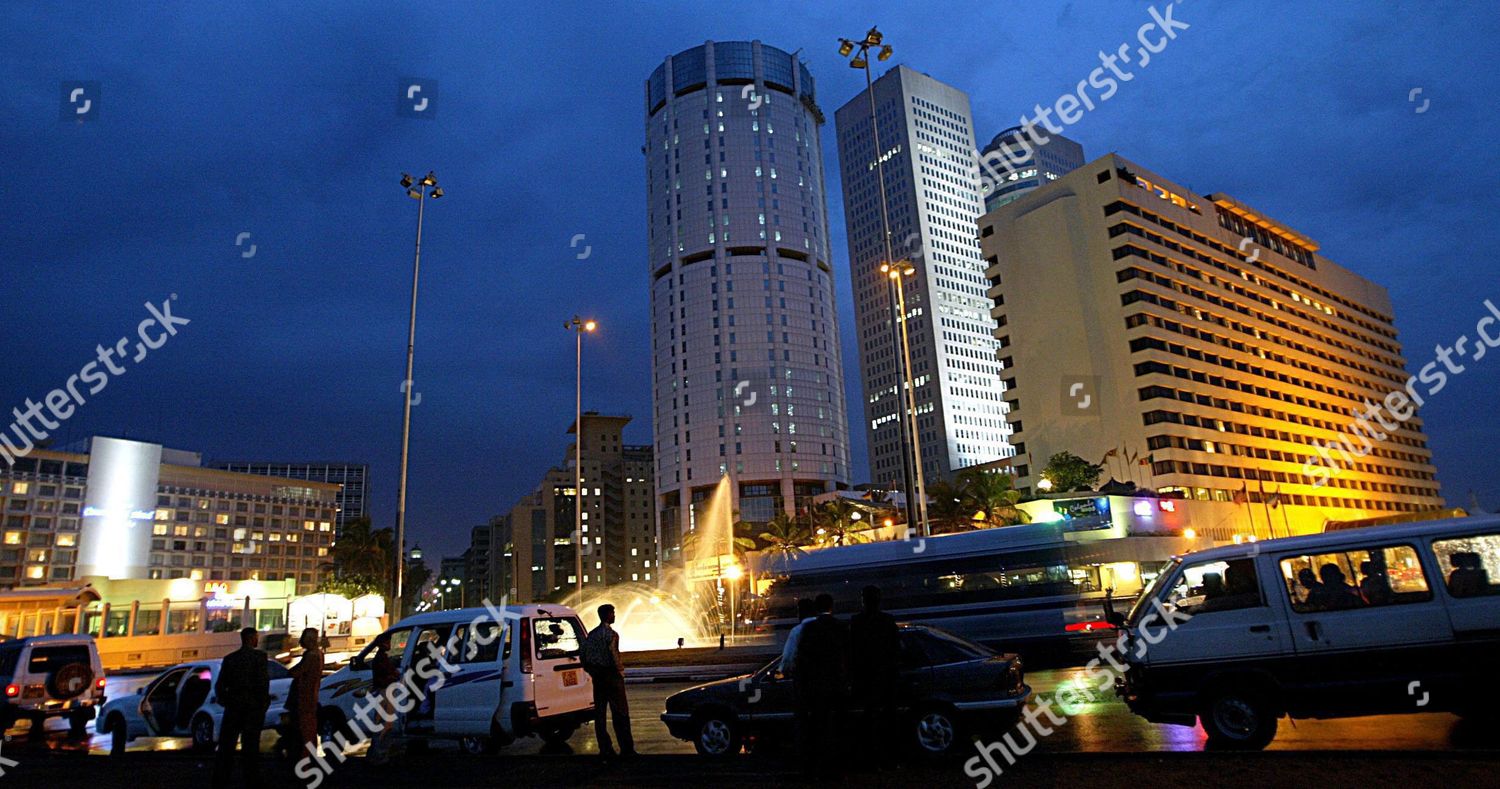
(1239, 588)
(1468, 578)
(1310, 585)
(1375, 587)
(1335, 594)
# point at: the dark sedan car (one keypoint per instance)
(951, 687)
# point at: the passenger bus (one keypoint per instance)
(1016, 588)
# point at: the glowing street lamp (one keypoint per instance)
(579, 327)
(1044, 484)
(419, 191)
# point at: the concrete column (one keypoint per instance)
(135, 611)
(166, 610)
(103, 621)
(203, 615)
(79, 618)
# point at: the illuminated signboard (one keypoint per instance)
(1084, 514)
(115, 540)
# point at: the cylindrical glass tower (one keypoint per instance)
(746, 371)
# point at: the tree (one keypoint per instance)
(947, 508)
(362, 557)
(1069, 472)
(994, 495)
(836, 519)
(784, 536)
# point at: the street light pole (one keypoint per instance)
(911, 450)
(578, 327)
(419, 191)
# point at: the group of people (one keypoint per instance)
(244, 691)
(835, 666)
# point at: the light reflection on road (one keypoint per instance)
(1102, 725)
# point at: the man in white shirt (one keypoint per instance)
(805, 614)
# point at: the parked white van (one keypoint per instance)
(507, 673)
(1377, 620)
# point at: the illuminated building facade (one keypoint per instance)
(932, 186)
(1195, 345)
(133, 510)
(747, 379)
(619, 528)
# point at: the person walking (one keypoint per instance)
(383, 675)
(875, 647)
(821, 681)
(805, 614)
(307, 677)
(244, 691)
(601, 659)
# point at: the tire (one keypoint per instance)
(8, 718)
(119, 737)
(935, 732)
(717, 735)
(203, 732)
(1238, 719)
(70, 681)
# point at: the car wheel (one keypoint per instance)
(557, 736)
(718, 735)
(8, 718)
(1239, 720)
(114, 725)
(203, 732)
(935, 731)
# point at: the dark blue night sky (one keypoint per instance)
(279, 120)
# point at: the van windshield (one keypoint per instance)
(1143, 602)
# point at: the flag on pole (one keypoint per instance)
(1275, 499)
(1242, 496)
(1109, 454)
(1146, 461)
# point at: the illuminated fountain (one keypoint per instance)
(690, 603)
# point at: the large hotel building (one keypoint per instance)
(932, 186)
(747, 380)
(131, 510)
(1194, 344)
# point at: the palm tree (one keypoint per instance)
(785, 536)
(364, 554)
(836, 518)
(948, 508)
(994, 495)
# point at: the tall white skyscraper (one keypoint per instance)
(932, 184)
(747, 378)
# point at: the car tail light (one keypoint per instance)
(99, 684)
(12, 690)
(525, 645)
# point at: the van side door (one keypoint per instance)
(1215, 611)
(1470, 568)
(470, 697)
(1366, 625)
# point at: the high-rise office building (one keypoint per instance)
(350, 477)
(1015, 163)
(1193, 344)
(619, 530)
(932, 185)
(747, 378)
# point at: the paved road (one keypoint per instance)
(1104, 726)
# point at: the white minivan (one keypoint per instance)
(1370, 621)
(506, 673)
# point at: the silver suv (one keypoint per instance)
(45, 677)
